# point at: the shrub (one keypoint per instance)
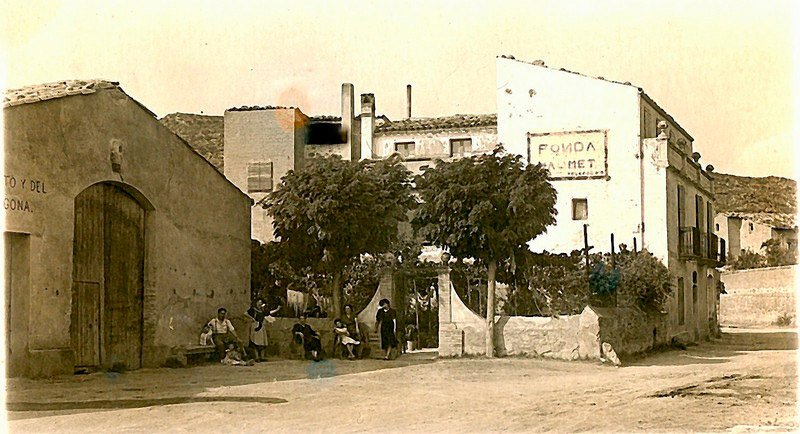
(749, 259)
(784, 320)
(644, 278)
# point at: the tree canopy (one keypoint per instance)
(331, 211)
(485, 207)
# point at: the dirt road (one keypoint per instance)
(744, 382)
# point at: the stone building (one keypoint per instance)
(121, 241)
(621, 165)
(749, 231)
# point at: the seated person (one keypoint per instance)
(205, 336)
(343, 337)
(234, 358)
(223, 332)
(305, 335)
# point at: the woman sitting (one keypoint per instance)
(342, 336)
(306, 336)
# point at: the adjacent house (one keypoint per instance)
(749, 231)
(120, 240)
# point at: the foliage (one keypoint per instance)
(777, 255)
(784, 320)
(749, 259)
(559, 284)
(360, 280)
(469, 281)
(331, 211)
(644, 278)
(485, 206)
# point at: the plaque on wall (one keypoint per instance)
(571, 154)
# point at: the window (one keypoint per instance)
(405, 149)
(681, 303)
(460, 147)
(751, 227)
(694, 289)
(710, 217)
(716, 227)
(698, 211)
(680, 206)
(259, 177)
(580, 209)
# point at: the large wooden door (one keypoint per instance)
(124, 269)
(108, 264)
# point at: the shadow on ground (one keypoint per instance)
(163, 386)
(731, 343)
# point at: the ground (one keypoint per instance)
(745, 381)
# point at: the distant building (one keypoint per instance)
(749, 231)
(121, 241)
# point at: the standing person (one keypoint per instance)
(386, 319)
(223, 332)
(258, 330)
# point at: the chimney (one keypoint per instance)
(408, 99)
(348, 127)
(367, 124)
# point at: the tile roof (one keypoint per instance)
(205, 134)
(249, 108)
(58, 89)
(325, 118)
(772, 219)
(438, 123)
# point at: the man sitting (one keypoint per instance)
(306, 336)
(223, 332)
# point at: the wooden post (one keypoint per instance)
(613, 252)
(490, 286)
(586, 245)
(634, 244)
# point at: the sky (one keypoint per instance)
(723, 69)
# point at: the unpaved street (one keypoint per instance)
(745, 382)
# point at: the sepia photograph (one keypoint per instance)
(399, 216)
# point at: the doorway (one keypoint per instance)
(108, 279)
(17, 290)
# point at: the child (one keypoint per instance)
(234, 358)
(205, 336)
(340, 330)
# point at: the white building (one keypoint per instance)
(597, 137)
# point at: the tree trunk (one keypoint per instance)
(490, 285)
(337, 295)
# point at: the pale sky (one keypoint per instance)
(723, 69)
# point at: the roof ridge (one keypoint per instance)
(56, 89)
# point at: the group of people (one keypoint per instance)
(347, 335)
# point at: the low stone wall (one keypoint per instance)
(281, 341)
(630, 330)
(570, 337)
(758, 297)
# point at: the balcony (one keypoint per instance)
(696, 245)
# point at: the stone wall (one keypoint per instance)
(629, 330)
(758, 297)
(569, 337)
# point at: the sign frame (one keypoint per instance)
(605, 175)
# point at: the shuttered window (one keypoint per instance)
(259, 177)
(459, 147)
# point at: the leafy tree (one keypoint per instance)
(749, 259)
(330, 212)
(776, 254)
(485, 207)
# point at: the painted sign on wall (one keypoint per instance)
(571, 154)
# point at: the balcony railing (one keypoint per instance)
(698, 245)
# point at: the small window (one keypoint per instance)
(460, 147)
(405, 149)
(580, 209)
(751, 227)
(259, 177)
(716, 227)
